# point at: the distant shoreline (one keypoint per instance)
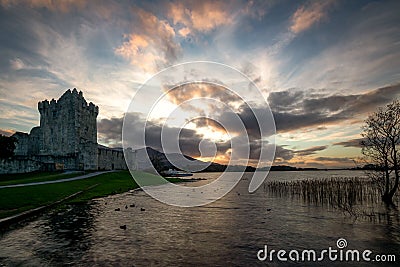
(289, 170)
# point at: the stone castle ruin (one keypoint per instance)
(65, 140)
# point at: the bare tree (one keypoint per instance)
(381, 147)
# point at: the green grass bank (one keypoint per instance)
(19, 199)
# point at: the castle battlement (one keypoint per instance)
(69, 98)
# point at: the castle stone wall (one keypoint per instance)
(111, 159)
(19, 165)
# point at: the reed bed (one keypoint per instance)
(353, 195)
(332, 191)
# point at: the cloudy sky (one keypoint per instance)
(323, 66)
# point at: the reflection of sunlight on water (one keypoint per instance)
(229, 231)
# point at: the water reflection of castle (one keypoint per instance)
(65, 139)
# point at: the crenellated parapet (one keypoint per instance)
(69, 98)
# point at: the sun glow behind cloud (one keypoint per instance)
(211, 133)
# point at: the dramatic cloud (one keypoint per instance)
(334, 159)
(184, 32)
(62, 6)
(17, 64)
(283, 154)
(322, 162)
(308, 15)
(363, 51)
(151, 45)
(350, 143)
(200, 16)
(233, 122)
(310, 151)
(186, 92)
(109, 131)
(293, 110)
(203, 122)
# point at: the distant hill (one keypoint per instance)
(290, 168)
(161, 162)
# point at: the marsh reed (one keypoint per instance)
(352, 195)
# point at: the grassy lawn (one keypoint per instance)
(23, 178)
(19, 199)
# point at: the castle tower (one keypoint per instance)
(68, 129)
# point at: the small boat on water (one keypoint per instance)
(176, 173)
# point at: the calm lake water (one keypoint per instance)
(228, 232)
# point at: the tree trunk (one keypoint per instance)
(396, 172)
(387, 198)
(387, 178)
